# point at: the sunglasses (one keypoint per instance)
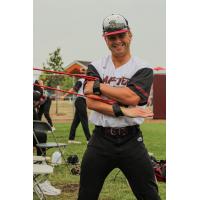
(114, 37)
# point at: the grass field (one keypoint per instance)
(115, 187)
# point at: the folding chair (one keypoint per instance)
(41, 159)
(41, 127)
(38, 170)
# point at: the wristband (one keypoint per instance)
(96, 87)
(117, 110)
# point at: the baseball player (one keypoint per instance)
(117, 140)
(80, 113)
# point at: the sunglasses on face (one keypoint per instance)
(114, 37)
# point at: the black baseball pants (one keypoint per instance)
(128, 153)
(42, 138)
(80, 116)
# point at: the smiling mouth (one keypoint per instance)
(118, 45)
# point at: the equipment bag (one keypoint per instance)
(159, 167)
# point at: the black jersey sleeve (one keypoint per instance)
(77, 86)
(140, 83)
(91, 71)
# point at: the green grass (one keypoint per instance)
(114, 189)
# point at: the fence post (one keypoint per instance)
(57, 98)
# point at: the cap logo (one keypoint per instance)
(113, 24)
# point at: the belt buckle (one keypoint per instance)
(114, 131)
(123, 131)
(118, 131)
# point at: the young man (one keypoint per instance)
(117, 140)
(45, 105)
(80, 113)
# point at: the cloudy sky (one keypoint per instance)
(76, 27)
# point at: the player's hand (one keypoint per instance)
(137, 112)
(88, 88)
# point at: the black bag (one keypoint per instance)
(73, 159)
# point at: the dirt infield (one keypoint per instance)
(63, 111)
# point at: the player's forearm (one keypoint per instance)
(114, 111)
(100, 107)
(123, 95)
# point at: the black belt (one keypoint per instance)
(117, 131)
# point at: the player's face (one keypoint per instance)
(119, 44)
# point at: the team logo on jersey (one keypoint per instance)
(116, 81)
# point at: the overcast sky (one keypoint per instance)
(76, 27)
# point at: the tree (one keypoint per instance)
(54, 63)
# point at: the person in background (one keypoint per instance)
(36, 102)
(80, 113)
(37, 137)
(45, 105)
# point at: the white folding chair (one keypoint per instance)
(38, 171)
(41, 159)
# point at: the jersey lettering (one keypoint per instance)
(116, 81)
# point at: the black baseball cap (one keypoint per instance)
(115, 24)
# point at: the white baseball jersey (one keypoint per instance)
(135, 74)
(79, 86)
